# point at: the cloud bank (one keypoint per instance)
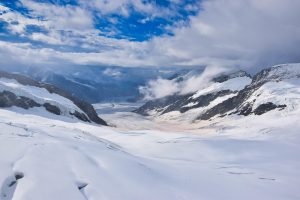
(248, 34)
(190, 83)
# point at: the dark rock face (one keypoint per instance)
(178, 102)
(80, 116)
(266, 107)
(158, 105)
(51, 108)
(205, 100)
(246, 110)
(89, 110)
(84, 106)
(231, 104)
(8, 99)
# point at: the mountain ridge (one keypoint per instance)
(208, 103)
(9, 97)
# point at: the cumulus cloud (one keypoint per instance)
(60, 25)
(248, 34)
(17, 22)
(67, 17)
(233, 32)
(127, 7)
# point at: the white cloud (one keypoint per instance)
(26, 54)
(46, 38)
(61, 17)
(234, 32)
(20, 54)
(159, 88)
(126, 7)
(200, 81)
(17, 22)
(227, 33)
(191, 83)
(249, 34)
(112, 72)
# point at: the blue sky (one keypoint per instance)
(122, 21)
(149, 33)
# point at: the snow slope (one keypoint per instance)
(234, 84)
(275, 88)
(48, 158)
(286, 92)
(21, 91)
(39, 95)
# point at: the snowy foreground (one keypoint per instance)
(47, 157)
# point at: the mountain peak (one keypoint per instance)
(225, 77)
(278, 72)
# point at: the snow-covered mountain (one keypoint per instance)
(46, 156)
(221, 88)
(20, 91)
(276, 87)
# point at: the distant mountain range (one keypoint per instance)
(96, 84)
(235, 93)
(274, 88)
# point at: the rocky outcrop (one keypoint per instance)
(232, 103)
(184, 103)
(205, 100)
(80, 116)
(266, 107)
(26, 103)
(51, 108)
(239, 105)
(243, 102)
(179, 102)
(9, 99)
